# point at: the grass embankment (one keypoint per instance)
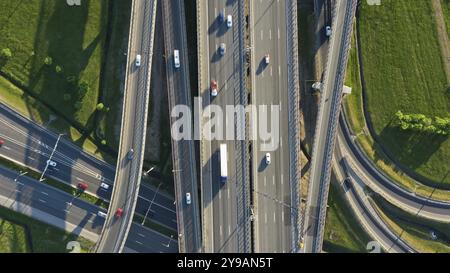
(343, 233)
(415, 230)
(54, 51)
(446, 10)
(56, 184)
(404, 71)
(13, 238)
(353, 105)
(17, 230)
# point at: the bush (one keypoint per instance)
(67, 97)
(100, 106)
(6, 54)
(83, 88)
(103, 142)
(48, 61)
(58, 69)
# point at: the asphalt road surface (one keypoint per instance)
(52, 206)
(30, 145)
(326, 123)
(133, 129)
(225, 203)
(271, 181)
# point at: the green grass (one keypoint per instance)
(415, 230)
(13, 238)
(72, 36)
(56, 184)
(446, 10)
(404, 71)
(44, 238)
(343, 233)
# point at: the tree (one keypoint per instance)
(6, 54)
(103, 142)
(83, 88)
(48, 61)
(58, 69)
(100, 107)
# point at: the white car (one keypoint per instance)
(101, 214)
(104, 186)
(176, 58)
(268, 160)
(328, 31)
(229, 21)
(138, 60)
(267, 59)
(188, 198)
(222, 49)
(51, 163)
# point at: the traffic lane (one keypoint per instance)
(222, 70)
(164, 201)
(156, 213)
(32, 135)
(114, 225)
(45, 198)
(144, 240)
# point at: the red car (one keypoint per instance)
(119, 212)
(2, 142)
(83, 186)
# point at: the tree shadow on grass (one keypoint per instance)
(409, 150)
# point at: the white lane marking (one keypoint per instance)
(278, 33)
(270, 34)
(220, 230)
(142, 235)
(42, 201)
(20, 183)
(31, 158)
(262, 35)
(138, 242)
(262, 73)
(91, 221)
(229, 230)
(281, 142)
(282, 179)
(228, 193)
(44, 193)
(265, 217)
(282, 215)
(273, 180)
(274, 217)
(279, 70)
(18, 191)
(271, 71)
(226, 85)
(265, 181)
(7, 148)
(79, 179)
(220, 195)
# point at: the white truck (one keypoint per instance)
(223, 163)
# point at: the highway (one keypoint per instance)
(361, 168)
(183, 151)
(327, 122)
(226, 221)
(272, 190)
(363, 210)
(30, 145)
(57, 208)
(133, 128)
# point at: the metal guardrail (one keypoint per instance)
(293, 120)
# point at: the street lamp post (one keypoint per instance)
(50, 158)
(170, 239)
(19, 175)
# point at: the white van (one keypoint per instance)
(138, 60)
(101, 214)
(176, 58)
